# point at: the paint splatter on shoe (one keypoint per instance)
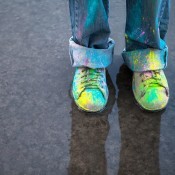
(151, 90)
(89, 89)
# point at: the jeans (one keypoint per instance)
(146, 27)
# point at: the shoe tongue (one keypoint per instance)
(148, 73)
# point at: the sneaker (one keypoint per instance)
(89, 89)
(151, 90)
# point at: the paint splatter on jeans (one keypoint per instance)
(146, 27)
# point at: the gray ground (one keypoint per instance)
(41, 130)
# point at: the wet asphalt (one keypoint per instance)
(41, 130)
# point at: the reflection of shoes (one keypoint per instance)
(89, 89)
(151, 90)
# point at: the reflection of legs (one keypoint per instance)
(89, 133)
(146, 51)
(87, 145)
(140, 132)
(91, 52)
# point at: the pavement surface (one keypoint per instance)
(41, 130)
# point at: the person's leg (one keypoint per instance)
(146, 51)
(91, 51)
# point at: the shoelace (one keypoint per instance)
(91, 78)
(151, 78)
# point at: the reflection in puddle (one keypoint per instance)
(140, 132)
(89, 134)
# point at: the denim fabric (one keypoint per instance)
(90, 57)
(146, 27)
(90, 45)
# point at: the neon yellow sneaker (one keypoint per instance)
(89, 89)
(151, 90)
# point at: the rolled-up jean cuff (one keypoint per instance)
(90, 57)
(146, 59)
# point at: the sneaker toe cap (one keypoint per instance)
(92, 100)
(155, 99)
